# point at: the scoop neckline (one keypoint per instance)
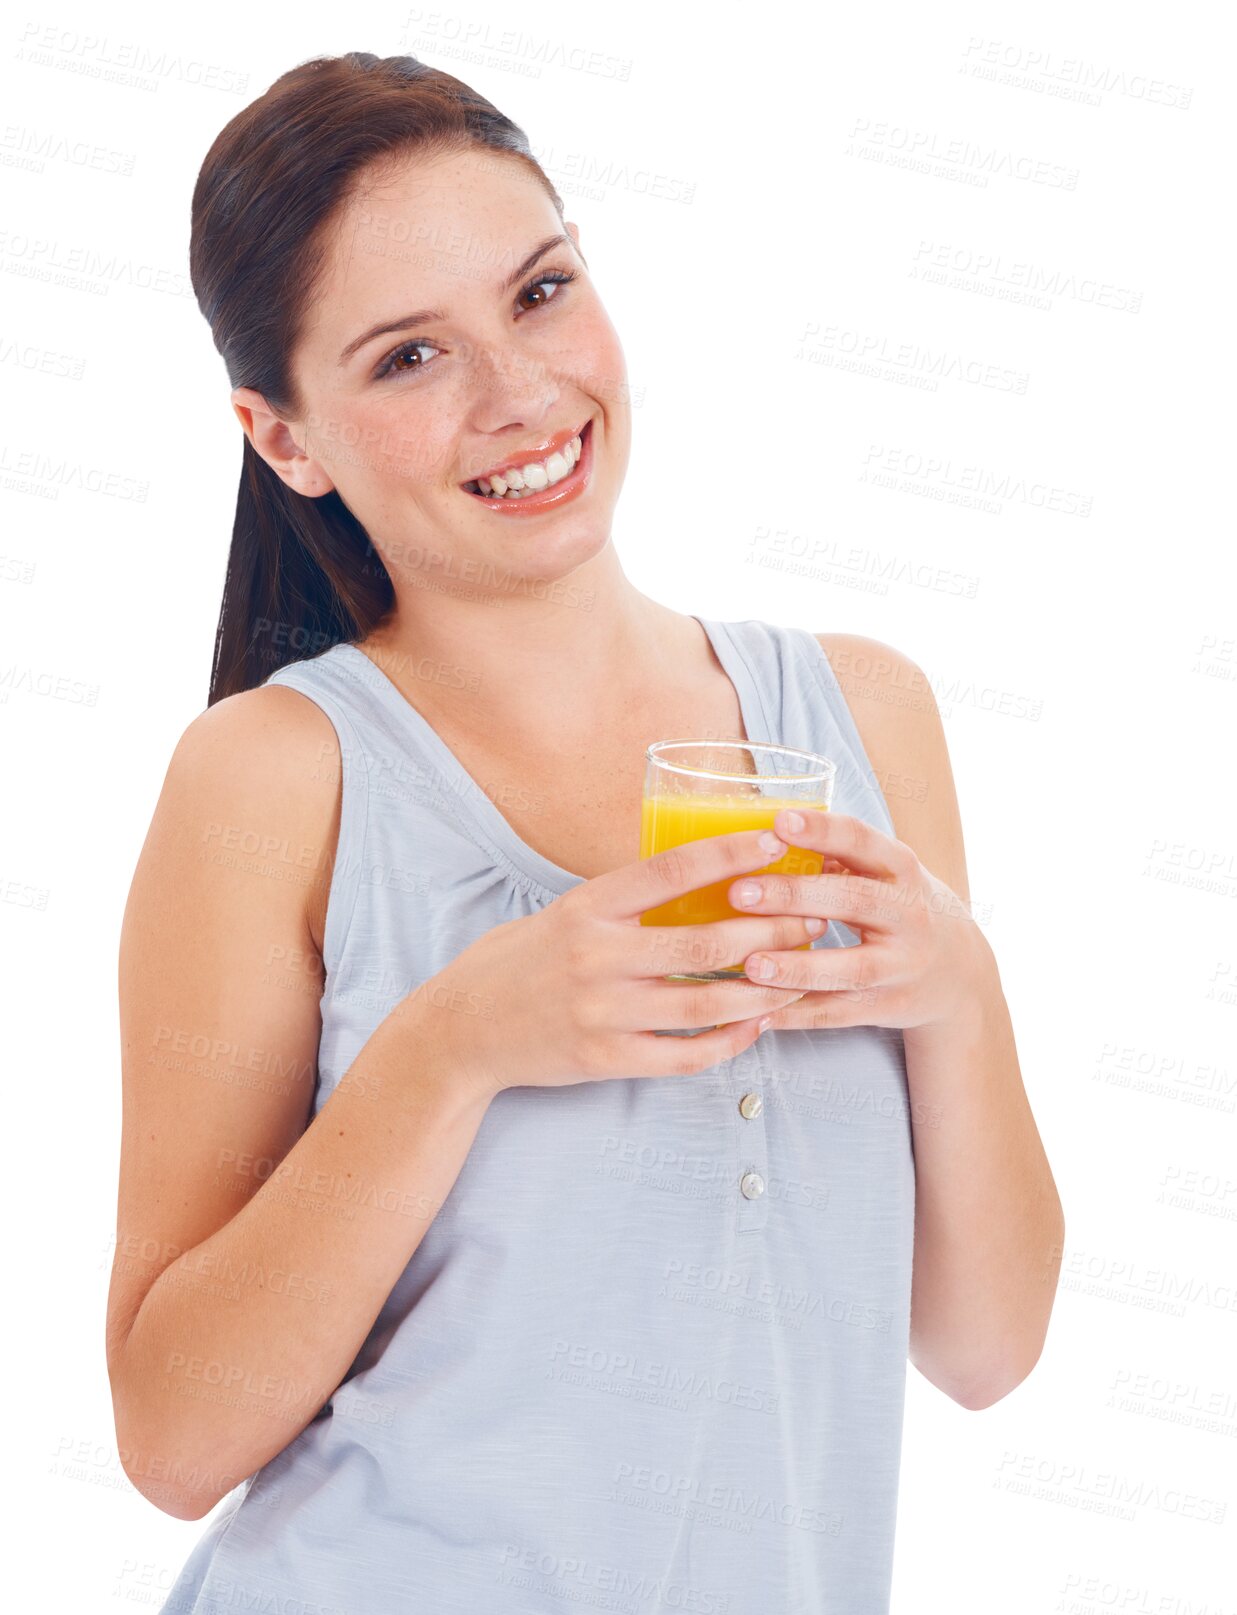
(510, 849)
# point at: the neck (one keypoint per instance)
(549, 659)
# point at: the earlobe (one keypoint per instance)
(313, 483)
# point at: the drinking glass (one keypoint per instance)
(698, 788)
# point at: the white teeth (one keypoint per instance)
(516, 481)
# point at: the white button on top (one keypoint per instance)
(751, 1184)
(750, 1105)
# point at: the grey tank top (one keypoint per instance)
(607, 1379)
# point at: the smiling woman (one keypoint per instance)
(466, 1287)
(349, 434)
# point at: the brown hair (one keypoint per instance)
(302, 574)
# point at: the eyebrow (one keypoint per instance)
(426, 316)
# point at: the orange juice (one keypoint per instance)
(669, 821)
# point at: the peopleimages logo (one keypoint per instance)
(934, 261)
(925, 363)
(1046, 70)
(980, 480)
(1076, 1484)
(521, 1565)
(725, 1498)
(686, 1280)
(601, 1364)
(120, 61)
(953, 156)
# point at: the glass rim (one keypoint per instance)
(826, 775)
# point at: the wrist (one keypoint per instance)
(438, 1057)
(976, 983)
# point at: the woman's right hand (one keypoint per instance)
(575, 992)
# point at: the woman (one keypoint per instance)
(498, 1300)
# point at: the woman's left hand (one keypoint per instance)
(919, 957)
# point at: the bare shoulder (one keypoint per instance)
(273, 725)
(220, 976)
(890, 698)
(257, 779)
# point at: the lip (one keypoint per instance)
(537, 451)
(571, 486)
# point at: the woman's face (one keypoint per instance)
(398, 419)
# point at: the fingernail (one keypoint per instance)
(762, 1023)
(793, 820)
(763, 969)
(814, 927)
(770, 843)
(748, 892)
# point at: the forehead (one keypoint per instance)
(420, 232)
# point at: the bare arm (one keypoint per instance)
(253, 1251)
(989, 1227)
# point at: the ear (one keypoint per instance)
(272, 438)
(573, 230)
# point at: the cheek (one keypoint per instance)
(413, 446)
(598, 357)
(386, 438)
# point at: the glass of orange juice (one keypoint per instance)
(698, 788)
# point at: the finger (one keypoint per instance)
(654, 1055)
(853, 841)
(875, 904)
(816, 1012)
(681, 1005)
(862, 967)
(717, 944)
(626, 893)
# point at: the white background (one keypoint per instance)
(928, 341)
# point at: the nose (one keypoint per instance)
(513, 389)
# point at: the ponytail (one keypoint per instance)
(302, 573)
(302, 576)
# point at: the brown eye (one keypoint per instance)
(404, 353)
(554, 279)
(398, 363)
(393, 365)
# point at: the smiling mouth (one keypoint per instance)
(516, 483)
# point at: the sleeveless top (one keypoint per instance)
(610, 1377)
